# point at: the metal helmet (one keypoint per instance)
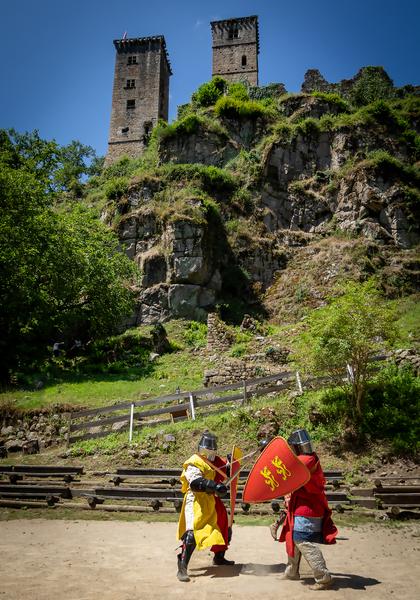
(300, 442)
(207, 445)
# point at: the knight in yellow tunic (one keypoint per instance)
(203, 521)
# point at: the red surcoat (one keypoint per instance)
(309, 501)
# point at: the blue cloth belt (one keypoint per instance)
(307, 529)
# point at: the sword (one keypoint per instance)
(221, 473)
(260, 448)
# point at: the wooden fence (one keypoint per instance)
(91, 423)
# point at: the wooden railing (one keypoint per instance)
(91, 423)
(173, 407)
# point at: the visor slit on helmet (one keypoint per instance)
(208, 441)
(300, 441)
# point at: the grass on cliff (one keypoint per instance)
(313, 271)
(408, 310)
(234, 108)
(382, 163)
(394, 118)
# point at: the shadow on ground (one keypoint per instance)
(257, 570)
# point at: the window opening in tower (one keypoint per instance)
(233, 32)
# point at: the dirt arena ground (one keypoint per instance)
(92, 560)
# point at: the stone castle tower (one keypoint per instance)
(236, 49)
(140, 94)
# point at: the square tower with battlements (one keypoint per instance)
(235, 49)
(140, 94)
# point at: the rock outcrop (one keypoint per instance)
(314, 81)
(304, 180)
(376, 208)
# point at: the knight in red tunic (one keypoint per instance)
(308, 521)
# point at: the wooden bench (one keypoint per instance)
(18, 472)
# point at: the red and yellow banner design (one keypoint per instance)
(277, 472)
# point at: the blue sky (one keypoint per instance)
(58, 58)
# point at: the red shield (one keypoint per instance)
(277, 472)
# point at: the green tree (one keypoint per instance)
(61, 273)
(57, 168)
(208, 93)
(238, 90)
(393, 408)
(372, 83)
(350, 330)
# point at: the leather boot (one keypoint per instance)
(219, 559)
(322, 586)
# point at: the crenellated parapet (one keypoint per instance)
(235, 44)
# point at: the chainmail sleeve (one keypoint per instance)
(191, 473)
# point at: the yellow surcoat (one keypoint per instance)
(206, 530)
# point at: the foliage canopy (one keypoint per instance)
(57, 168)
(208, 93)
(372, 84)
(350, 330)
(62, 273)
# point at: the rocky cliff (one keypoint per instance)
(233, 194)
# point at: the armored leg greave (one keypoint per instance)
(188, 546)
(313, 555)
